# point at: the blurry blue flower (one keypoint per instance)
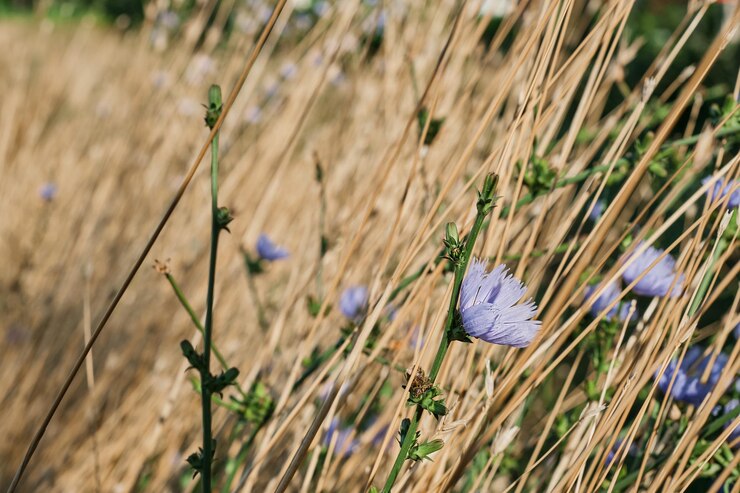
(48, 191)
(613, 452)
(342, 443)
(735, 434)
(288, 70)
(253, 115)
(391, 312)
(353, 302)
(688, 386)
(736, 331)
(489, 309)
(657, 281)
(597, 210)
(168, 19)
(271, 89)
(416, 341)
(611, 292)
(720, 190)
(267, 250)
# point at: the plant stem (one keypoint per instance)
(461, 266)
(186, 305)
(261, 318)
(208, 328)
(408, 441)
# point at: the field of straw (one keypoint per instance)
(325, 153)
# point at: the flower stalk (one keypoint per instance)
(458, 253)
(214, 110)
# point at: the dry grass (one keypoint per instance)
(115, 126)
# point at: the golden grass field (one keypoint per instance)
(115, 124)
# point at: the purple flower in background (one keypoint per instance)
(597, 211)
(342, 443)
(416, 341)
(657, 281)
(688, 386)
(48, 191)
(253, 115)
(720, 190)
(633, 450)
(735, 434)
(267, 250)
(490, 309)
(288, 70)
(736, 331)
(610, 293)
(353, 302)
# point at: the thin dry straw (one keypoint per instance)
(150, 243)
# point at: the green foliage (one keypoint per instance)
(257, 405)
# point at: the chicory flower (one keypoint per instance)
(720, 190)
(619, 311)
(658, 280)
(267, 250)
(490, 308)
(353, 302)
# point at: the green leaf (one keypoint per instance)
(424, 450)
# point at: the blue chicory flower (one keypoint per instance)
(633, 450)
(48, 191)
(721, 189)
(597, 211)
(353, 302)
(267, 250)
(490, 308)
(735, 434)
(688, 386)
(657, 281)
(620, 311)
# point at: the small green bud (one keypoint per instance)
(223, 218)
(215, 105)
(194, 358)
(451, 234)
(453, 247)
(487, 195)
(217, 384)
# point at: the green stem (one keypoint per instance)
(186, 305)
(261, 318)
(408, 441)
(461, 264)
(214, 96)
(323, 242)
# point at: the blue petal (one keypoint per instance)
(267, 250)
